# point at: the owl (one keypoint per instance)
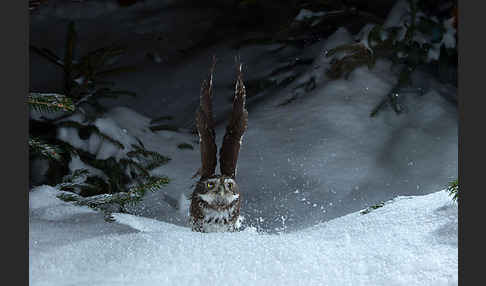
(216, 199)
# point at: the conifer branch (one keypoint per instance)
(133, 195)
(135, 165)
(47, 54)
(152, 185)
(48, 151)
(50, 102)
(152, 159)
(453, 190)
(91, 129)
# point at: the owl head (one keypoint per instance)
(218, 192)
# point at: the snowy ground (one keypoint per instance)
(409, 241)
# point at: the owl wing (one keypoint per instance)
(205, 127)
(228, 155)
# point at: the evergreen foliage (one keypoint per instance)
(109, 202)
(117, 182)
(47, 151)
(407, 44)
(453, 189)
(167, 127)
(400, 45)
(185, 146)
(149, 159)
(83, 77)
(50, 102)
(371, 208)
(109, 184)
(89, 129)
(47, 103)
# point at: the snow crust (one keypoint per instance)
(409, 241)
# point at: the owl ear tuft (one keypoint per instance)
(205, 127)
(228, 155)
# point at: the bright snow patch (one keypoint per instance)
(305, 14)
(409, 241)
(45, 205)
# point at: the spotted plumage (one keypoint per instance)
(215, 204)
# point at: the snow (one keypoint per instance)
(448, 40)
(400, 14)
(44, 204)
(409, 241)
(363, 36)
(397, 14)
(305, 14)
(77, 164)
(95, 144)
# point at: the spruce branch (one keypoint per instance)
(46, 150)
(185, 146)
(358, 55)
(385, 43)
(371, 208)
(97, 201)
(152, 159)
(50, 102)
(102, 201)
(78, 176)
(132, 164)
(453, 190)
(91, 129)
(153, 184)
(47, 54)
(167, 127)
(82, 77)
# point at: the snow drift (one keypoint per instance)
(409, 241)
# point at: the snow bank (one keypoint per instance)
(409, 241)
(305, 14)
(44, 204)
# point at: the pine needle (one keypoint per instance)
(50, 102)
(152, 185)
(152, 159)
(371, 208)
(48, 151)
(453, 190)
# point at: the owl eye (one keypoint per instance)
(230, 185)
(210, 185)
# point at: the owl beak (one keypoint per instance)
(221, 191)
